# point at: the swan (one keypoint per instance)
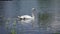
(24, 17)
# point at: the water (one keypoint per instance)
(12, 9)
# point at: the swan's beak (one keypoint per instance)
(33, 9)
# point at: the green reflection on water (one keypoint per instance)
(44, 20)
(43, 16)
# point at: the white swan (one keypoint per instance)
(24, 17)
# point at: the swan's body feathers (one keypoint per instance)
(25, 17)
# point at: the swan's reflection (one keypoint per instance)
(27, 21)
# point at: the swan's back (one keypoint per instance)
(25, 16)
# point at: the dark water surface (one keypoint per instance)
(9, 10)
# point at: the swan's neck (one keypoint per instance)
(33, 15)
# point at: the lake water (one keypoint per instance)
(11, 9)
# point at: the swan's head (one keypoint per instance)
(33, 9)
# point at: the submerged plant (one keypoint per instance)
(7, 23)
(13, 31)
(13, 28)
(14, 23)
